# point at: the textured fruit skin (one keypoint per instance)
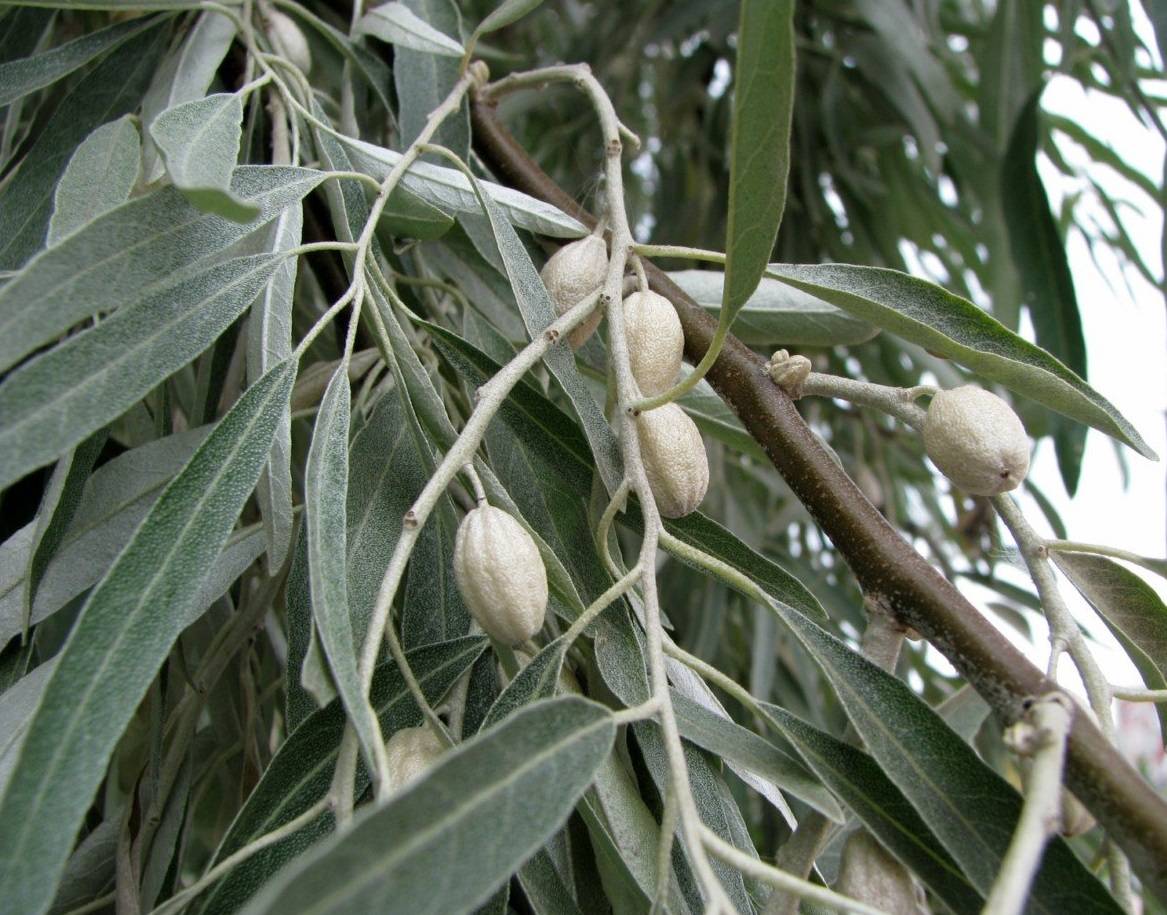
(674, 459)
(976, 440)
(656, 341)
(410, 752)
(870, 874)
(573, 272)
(288, 40)
(500, 575)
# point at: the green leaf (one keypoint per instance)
(1046, 283)
(58, 506)
(860, 782)
(1011, 68)
(113, 88)
(114, 501)
(970, 808)
(423, 80)
(743, 747)
(535, 681)
(300, 773)
(504, 14)
(776, 313)
(397, 24)
(763, 100)
(98, 178)
(520, 780)
(185, 75)
(544, 888)
(58, 399)
(18, 704)
(325, 492)
(200, 142)
(269, 341)
(1132, 610)
(121, 638)
(129, 253)
(20, 77)
(450, 190)
(956, 329)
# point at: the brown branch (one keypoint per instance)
(886, 565)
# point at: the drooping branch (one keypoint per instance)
(886, 565)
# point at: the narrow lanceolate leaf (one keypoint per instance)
(743, 747)
(269, 341)
(538, 313)
(860, 782)
(396, 23)
(27, 74)
(519, 780)
(99, 177)
(1131, 608)
(504, 14)
(112, 88)
(119, 641)
(956, 329)
(60, 398)
(1044, 271)
(114, 501)
(763, 99)
(17, 706)
(325, 492)
(58, 506)
(131, 251)
(200, 142)
(424, 79)
(185, 75)
(449, 189)
(301, 771)
(776, 313)
(971, 809)
(535, 681)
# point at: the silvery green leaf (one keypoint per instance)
(971, 809)
(91, 870)
(300, 773)
(17, 705)
(504, 14)
(58, 506)
(184, 76)
(114, 501)
(58, 399)
(776, 313)
(200, 142)
(521, 780)
(111, 89)
(396, 23)
(27, 74)
(99, 177)
(129, 253)
(269, 341)
(950, 326)
(120, 639)
(423, 79)
(326, 485)
(449, 189)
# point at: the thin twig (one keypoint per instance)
(1041, 734)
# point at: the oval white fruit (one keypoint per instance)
(976, 440)
(288, 41)
(674, 459)
(656, 341)
(572, 273)
(410, 752)
(500, 575)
